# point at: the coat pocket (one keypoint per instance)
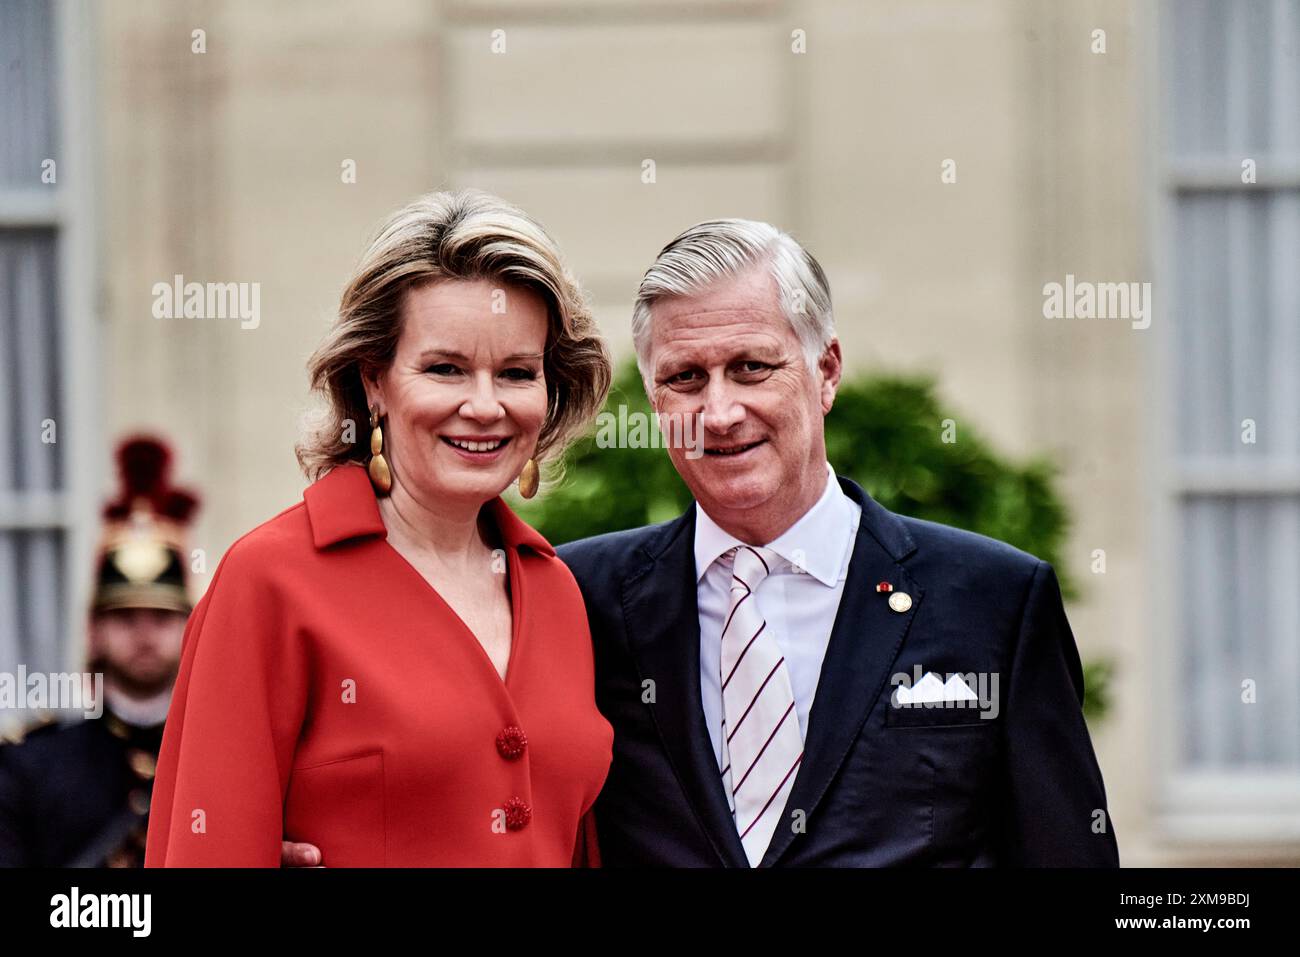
(339, 807)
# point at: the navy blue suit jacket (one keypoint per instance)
(879, 785)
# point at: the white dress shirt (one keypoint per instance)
(798, 599)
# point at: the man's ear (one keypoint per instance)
(831, 366)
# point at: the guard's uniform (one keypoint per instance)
(76, 793)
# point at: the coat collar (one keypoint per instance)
(662, 619)
(341, 505)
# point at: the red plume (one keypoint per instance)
(180, 505)
(144, 464)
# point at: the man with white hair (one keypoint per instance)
(797, 676)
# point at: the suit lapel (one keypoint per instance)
(663, 626)
(865, 640)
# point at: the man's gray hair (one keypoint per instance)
(722, 248)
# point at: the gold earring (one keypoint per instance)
(528, 479)
(380, 477)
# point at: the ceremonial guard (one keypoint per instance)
(77, 794)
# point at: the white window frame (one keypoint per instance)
(68, 209)
(1194, 807)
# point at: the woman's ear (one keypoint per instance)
(372, 382)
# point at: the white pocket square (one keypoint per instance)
(932, 688)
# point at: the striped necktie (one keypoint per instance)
(761, 742)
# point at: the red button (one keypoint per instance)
(511, 743)
(518, 814)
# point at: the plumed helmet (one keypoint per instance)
(142, 558)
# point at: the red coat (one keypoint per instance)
(328, 694)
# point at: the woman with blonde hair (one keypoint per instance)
(398, 669)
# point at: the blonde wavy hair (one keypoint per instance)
(463, 235)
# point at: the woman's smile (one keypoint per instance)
(478, 450)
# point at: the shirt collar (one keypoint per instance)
(818, 543)
(341, 505)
